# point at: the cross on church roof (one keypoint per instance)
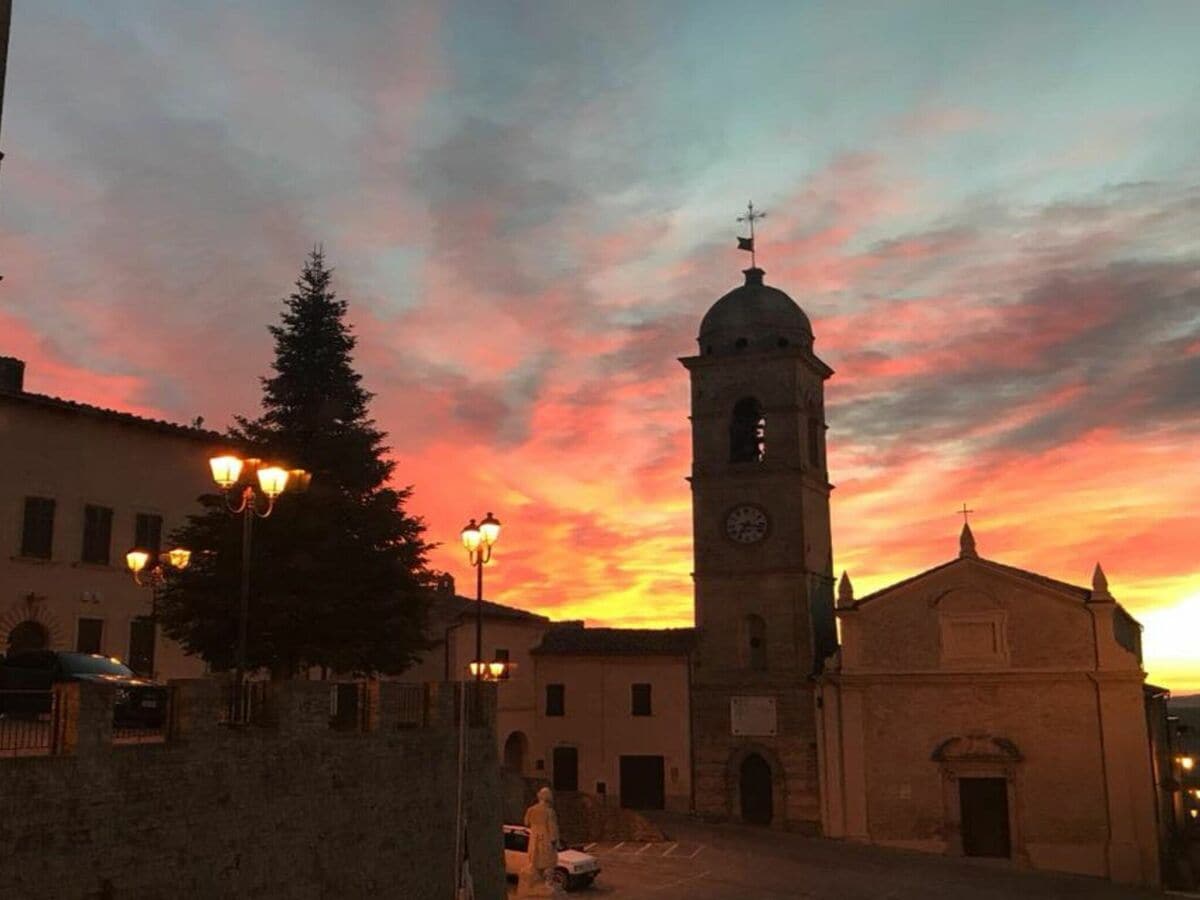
(748, 243)
(964, 512)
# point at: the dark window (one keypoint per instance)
(37, 534)
(640, 696)
(756, 642)
(814, 441)
(147, 532)
(556, 700)
(97, 534)
(502, 656)
(91, 631)
(747, 432)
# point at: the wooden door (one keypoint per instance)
(984, 806)
(643, 784)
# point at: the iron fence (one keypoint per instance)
(348, 706)
(412, 705)
(249, 706)
(474, 701)
(144, 720)
(30, 723)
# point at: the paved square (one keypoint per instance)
(735, 862)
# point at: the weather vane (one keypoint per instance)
(748, 243)
(964, 512)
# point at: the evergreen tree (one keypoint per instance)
(338, 573)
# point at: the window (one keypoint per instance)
(97, 534)
(747, 432)
(640, 699)
(91, 633)
(147, 533)
(37, 533)
(556, 700)
(814, 441)
(755, 637)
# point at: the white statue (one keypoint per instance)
(537, 878)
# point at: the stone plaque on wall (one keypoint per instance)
(752, 716)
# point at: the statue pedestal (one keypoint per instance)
(535, 884)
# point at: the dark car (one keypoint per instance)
(27, 678)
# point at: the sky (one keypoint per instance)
(991, 213)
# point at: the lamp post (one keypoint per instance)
(149, 570)
(479, 540)
(233, 475)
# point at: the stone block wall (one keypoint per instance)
(292, 810)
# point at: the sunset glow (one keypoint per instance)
(995, 230)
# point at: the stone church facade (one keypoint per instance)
(978, 709)
(974, 709)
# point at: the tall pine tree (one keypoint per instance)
(338, 573)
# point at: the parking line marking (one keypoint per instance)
(670, 849)
(618, 846)
(587, 847)
(644, 849)
(695, 852)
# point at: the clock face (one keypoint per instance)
(746, 524)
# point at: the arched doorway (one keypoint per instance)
(756, 790)
(28, 635)
(516, 748)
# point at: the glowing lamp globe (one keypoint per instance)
(179, 558)
(226, 470)
(497, 669)
(476, 668)
(471, 536)
(272, 480)
(136, 560)
(489, 528)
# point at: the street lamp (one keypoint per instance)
(479, 539)
(231, 473)
(154, 576)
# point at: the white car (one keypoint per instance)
(575, 868)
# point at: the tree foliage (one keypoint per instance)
(338, 574)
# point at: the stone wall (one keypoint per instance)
(291, 810)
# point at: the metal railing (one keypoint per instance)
(30, 723)
(151, 726)
(475, 703)
(348, 706)
(412, 705)
(248, 708)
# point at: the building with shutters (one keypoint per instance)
(79, 486)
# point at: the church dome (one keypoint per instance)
(754, 316)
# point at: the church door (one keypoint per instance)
(984, 803)
(756, 790)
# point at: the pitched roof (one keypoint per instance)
(573, 640)
(450, 608)
(46, 401)
(1041, 580)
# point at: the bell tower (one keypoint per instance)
(763, 559)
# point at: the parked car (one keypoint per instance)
(27, 678)
(575, 868)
